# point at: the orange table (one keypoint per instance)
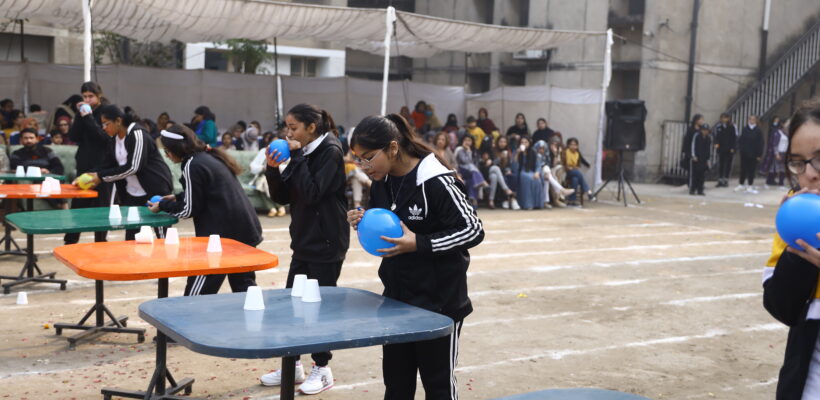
(129, 261)
(31, 192)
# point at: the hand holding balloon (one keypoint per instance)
(376, 225)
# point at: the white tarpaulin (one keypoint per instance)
(216, 20)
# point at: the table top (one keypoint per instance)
(575, 394)
(24, 191)
(10, 176)
(217, 325)
(131, 261)
(83, 220)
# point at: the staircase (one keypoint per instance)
(783, 77)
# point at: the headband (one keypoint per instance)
(171, 135)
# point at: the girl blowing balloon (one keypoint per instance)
(790, 280)
(427, 267)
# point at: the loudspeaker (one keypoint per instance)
(624, 125)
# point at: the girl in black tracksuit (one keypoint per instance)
(214, 198)
(791, 293)
(428, 265)
(133, 162)
(314, 185)
(92, 147)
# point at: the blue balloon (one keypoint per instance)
(280, 145)
(155, 199)
(375, 223)
(799, 218)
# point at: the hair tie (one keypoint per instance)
(171, 135)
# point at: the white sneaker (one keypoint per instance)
(514, 204)
(752, 190)
(505, 204)
(275, 378)
(740, 188)
(566, 192)
(319, 380)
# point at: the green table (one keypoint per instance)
(71, 221)
(10, 176)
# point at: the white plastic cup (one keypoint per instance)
(311, 294)
(55, 185)
(20, 171)
(114, 212)
(214, 244)
(172, 236)
(145, 235)
(22, 298)
(33, 172)
(298, 285)
(253, 299)
(133, 214)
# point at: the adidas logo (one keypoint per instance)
(415, 213)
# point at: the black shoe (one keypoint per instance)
(701, 194)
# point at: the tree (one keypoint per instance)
(119, 49)
(246, 55)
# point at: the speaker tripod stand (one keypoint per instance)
(623, 182)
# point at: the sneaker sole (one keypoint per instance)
(317, 392)
(279, 384)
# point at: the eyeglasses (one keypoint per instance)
(106, 123)
(798, 167)
(366, 163)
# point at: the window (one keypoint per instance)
(303, 66)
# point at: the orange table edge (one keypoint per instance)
(128, 260)
(26, 191)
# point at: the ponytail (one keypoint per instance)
(377, 132)
(190, 144)
(310, 114)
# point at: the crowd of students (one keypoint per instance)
(756, 156)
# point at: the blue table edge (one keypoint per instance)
(299, 350)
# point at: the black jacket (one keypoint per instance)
(92, 142)
(436, 209)
(750, 142)
(37, 156)
(144, 161)
(314, 186)
(702, 148)
(214, 198)
(787, 295)
(726, 138)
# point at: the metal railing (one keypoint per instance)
(780, 79)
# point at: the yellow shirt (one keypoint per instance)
(572, 158)
(478, 136)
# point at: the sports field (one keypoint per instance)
(662, 300)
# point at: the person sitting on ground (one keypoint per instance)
(57, 138)
(441, 145)
(518, 130)
(486, 124)
(552, 188)
(227, 142)
(530, 189)
(573, 160)
(260, 183)
(475, 132)
(15, 126)
(359, 181)
(506, 162)
(452, 130)
(467, 168)
(543, 133)
(492, 172)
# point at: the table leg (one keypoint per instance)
(27, 272)
(7, 240)
(99, 309)
(156, 387)
(287, 388)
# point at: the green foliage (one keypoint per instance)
(118, 49)
(246, 55)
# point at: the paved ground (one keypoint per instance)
(661, 299)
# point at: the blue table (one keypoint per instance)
(575, 394)
(345, 318)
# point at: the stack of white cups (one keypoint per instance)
(114, 213)
(145, 235)
(307, 289)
